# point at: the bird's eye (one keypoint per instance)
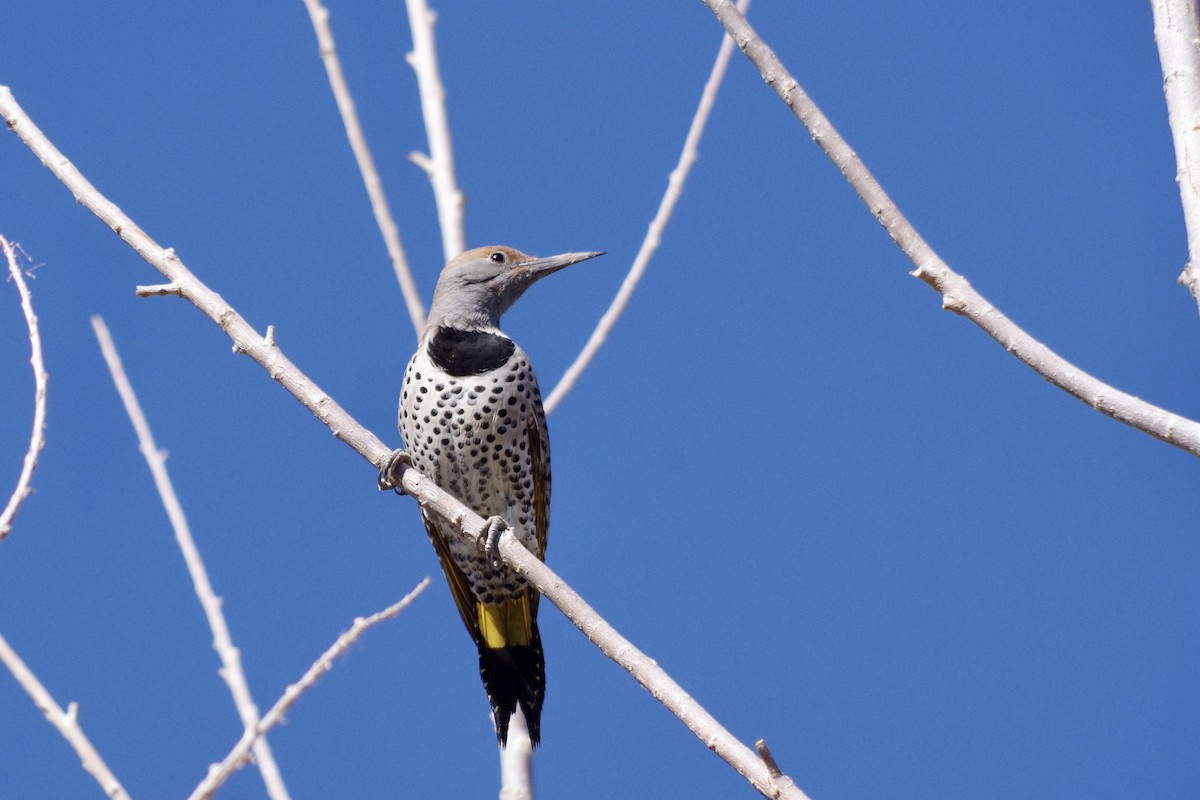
(497, 257)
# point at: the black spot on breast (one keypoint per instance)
(461, 353)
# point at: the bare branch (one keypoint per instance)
(219, 773)
(37, 439)
(957, 294)
(366, 163)
(245, 339)
(516, 761)
(231, 658)
(439, 165)
(158, 290)
(431, 497)
(654, 235)
(67, 723)
(644, 669)
(1177, 31)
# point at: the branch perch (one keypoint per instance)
(957, 294)
(431, 497)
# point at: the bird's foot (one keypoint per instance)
(493, 529)
(392, 470)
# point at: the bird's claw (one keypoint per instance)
(494, 528)
(392, 470)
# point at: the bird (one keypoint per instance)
(472, 420)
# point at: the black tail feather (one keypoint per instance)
(515, 676)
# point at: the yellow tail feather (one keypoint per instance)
(506, 624)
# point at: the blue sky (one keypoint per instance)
(846, 521)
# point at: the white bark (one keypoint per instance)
(516, 761)
(439, 164)
(1177, 31)
(37, 439)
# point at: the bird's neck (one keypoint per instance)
(461, 310)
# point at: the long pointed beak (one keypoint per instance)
(537, 267)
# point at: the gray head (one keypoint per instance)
(481, 284)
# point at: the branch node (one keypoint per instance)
(954, 304)
(269, 339)
(765, 754)
(159, 290)
(422, 161)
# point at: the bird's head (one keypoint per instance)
(477, 287)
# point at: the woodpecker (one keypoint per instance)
(471, 418)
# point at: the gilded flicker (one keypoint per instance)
(472, 420)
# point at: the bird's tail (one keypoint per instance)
(515, 675)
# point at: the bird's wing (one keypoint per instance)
(463, 598)
(539, 452)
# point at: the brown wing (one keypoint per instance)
(539, 451)
(463, 598)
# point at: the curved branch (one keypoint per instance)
(666, 207)
(231, 659)
(366, 164)
(432, 498)
(439, 165)
(957, 294)
(1177, 31)
(37, 439)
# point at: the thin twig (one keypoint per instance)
(779, 781)
(957, 294)
(67, 723)
(431, 497)
(654, 234)
(1177, 31)
(231, 658)
(366, 163)
(439, 164)
(219, 773)
(37, 439)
